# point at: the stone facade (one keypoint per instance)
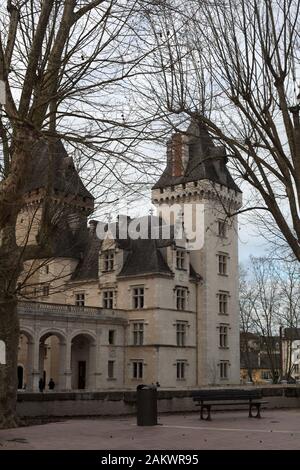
(116, 313)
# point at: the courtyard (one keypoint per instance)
(276, 430)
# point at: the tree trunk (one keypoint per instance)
(9, 333)
(11, 201)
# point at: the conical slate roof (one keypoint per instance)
(205, 161)
(54, 165)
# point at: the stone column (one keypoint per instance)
(91, 385)
(29, 365)
(36, 373)
(65, 366)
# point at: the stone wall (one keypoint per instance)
(115, 403)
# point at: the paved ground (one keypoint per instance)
(278, 429)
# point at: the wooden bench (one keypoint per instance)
(208, 398)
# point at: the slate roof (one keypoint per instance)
(206, 161)
(60, 241)
(57, 167)
(143, 256)
(88, 266)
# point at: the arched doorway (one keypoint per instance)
(83, 362)
(25, 361)
(52, 359)
(20, 377)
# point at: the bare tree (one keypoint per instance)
(233, 66)
(269, 302)
(66, 66)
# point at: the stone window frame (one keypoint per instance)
(180, 258)
(108, 258)
(223, 263)
(224, 370)
(138, 296)
(181, 294)
(108, 300)
(223, 303)
(224, 336)
(181, 327)
(137, 369)
(138, 332)
(181, 369)
(112, 337)
(111, 370)
(80, 298)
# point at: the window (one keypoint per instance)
(137, 369)
(223, 303)
(180, 370)
(180, 333)
(296, 368)
(266, 375)
(138, 297)
(45, 290)
(180, 259)
(180, 298)
(222, 228)
(109, 261)
(222, 264)
(223, 370)
(108, 299)
(138, 334)
(111, 369)
(223, 336)
(111, 337)
(80, 299)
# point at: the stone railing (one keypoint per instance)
(64, 310)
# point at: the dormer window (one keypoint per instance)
(180, 259)
(109, 260)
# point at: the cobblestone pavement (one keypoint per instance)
(278, 429)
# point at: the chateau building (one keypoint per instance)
(159, 305)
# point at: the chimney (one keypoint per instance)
(178, 154)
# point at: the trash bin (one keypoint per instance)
(146, 405)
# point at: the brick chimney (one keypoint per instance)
(178, 154)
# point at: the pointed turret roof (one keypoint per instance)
(53, 164)
(205, 160)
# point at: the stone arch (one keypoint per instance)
(27, 332)
(88, 333)
(26, 357)
(47, 332)
(83, 359)
(52, 347)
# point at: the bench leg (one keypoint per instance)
(208, 415)
(257, 406)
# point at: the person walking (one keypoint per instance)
(41, 385)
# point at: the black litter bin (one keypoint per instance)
(146, 405)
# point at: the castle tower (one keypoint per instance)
(197, 180)
(52, 225)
